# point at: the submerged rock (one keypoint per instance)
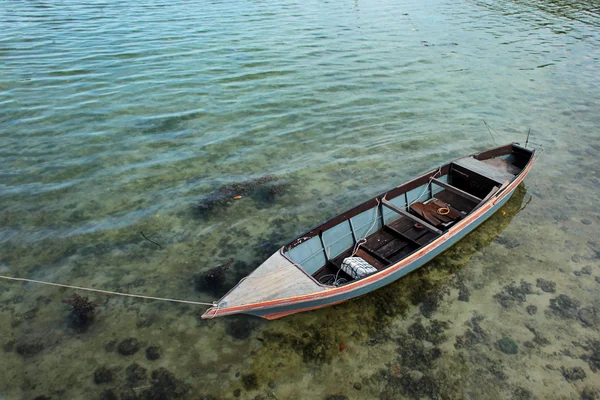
(573, 374)
(531, 310)
(145, 320)
(82, 311)
(564, 306)
(28, 348)
(593, 357)
(135, 373)
(590, 393)
(128, 394)
(507, 346)
(250, 381)
(589, 317)
(164, 386)
(522, 394)
(240, 327)
(214, 281)
(153, 353)
(109, 394)
(546, 286)
(103, 375)
(336, 397)
(129, 346)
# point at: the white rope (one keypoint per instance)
(362, 241)
(110, 292)
(439, 171)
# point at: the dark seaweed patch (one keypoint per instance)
(214, 281)
(539, 338)
(153, 353)
(164, 386)
(400, 382)
(109, 394)
(521, 393)
(240, 327)
(103, 375)
(414, 354)
(250, 381)
(514, 295)
(573, 374)
(262, 189)
(82, 311)
(29, 348)
(129, 346)
(564, 306)
(593, 355)
(507, 346)
(589, 316)
(545, 285)
(473, 335)
(590, 393)
(135, 373)
(434, 333)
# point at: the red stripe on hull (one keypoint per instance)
(299, 310)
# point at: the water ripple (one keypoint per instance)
(104, 95)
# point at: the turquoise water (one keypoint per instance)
(121, 118)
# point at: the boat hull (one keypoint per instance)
(278, 308)
(288, 309)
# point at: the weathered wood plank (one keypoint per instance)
(276, 278)
(484, 169)
(457, 191)
(409, 215)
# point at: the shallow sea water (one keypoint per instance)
(118, 118)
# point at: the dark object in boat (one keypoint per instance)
(395, 233)
(82, 312)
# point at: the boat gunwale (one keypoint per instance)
(331, 291)
(395, 192)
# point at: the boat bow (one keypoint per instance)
(275, 279)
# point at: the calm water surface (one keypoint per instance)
(121, 118)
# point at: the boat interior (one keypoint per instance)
(395, 224)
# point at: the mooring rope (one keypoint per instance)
(138, 296)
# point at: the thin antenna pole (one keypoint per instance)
(527, 140)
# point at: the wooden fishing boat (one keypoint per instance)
(382, 239)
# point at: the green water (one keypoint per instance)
(120, 118)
